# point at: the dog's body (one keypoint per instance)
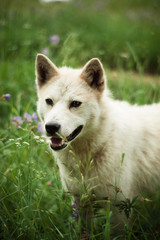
(110, 146)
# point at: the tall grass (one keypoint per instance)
(33, 204)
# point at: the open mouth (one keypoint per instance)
(58, 143)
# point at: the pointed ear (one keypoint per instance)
(45, 69)
(93, 74)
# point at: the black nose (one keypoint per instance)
(52, 128)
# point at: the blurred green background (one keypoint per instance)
(121, 33)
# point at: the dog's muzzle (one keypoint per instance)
(58, 142)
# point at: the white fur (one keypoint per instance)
(119, 146)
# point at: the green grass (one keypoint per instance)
(33, 204)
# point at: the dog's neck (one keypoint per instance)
(84, 149)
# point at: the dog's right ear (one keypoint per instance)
(45, 69)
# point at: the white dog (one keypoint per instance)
(98, 142)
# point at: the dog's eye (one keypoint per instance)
(75, 104)
(49, 101)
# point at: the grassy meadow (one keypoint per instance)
(125, 35)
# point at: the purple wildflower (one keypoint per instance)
(85, 235)
(45, 51)
(54, 39)
(74, 214)
(34, 117)
(27, 117)
(76, 208)
(40, 128)
(7, 96)
(49, 183)
(17, 120)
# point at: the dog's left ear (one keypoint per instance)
(45, 69)
(93, 74)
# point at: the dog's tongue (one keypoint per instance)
(56, 141)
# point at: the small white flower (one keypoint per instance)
(19, 139)
(26, 143)
(36, 137)
(17, 143)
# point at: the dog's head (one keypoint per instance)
(68, 99)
